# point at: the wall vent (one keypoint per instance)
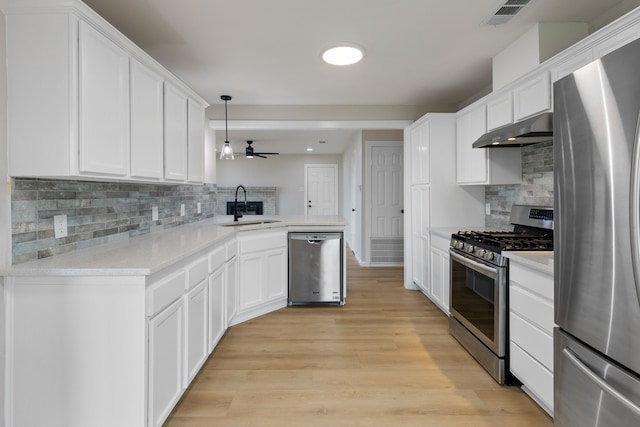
(505, 12)
(387, 250)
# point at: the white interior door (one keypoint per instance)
(386, 228)
(321, 189)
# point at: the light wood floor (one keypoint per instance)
(384, 359)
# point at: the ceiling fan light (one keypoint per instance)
(342, 55)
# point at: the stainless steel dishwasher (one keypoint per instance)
(315, 268)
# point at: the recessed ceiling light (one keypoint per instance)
(342, 55)
(309, 149)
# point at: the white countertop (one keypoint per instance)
(145, 255)
(539, 260)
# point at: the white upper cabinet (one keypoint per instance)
(175, 134)
(471, 163)
(420, 154)
(499, 110)
(104, 104)
(147, 121)
(195, 141)
(98, 100)
(483, 166)
(532, 96)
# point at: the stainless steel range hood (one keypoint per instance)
(530, 131)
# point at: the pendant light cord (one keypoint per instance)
(226, 127)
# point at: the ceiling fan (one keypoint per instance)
(250, 154)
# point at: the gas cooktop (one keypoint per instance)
(533, 231)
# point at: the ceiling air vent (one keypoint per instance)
(505, 12)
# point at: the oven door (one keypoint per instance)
(478, 299)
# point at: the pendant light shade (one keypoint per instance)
(227, 152)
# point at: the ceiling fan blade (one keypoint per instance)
(259, 155)
(271, 154)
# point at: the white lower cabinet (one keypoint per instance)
(531, 331)
(262, 269)
(217, 304)
(166, 338)
(231, 281)
(197, 339)
(440, 272)
(156, 332)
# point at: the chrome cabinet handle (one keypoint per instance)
(600, 382)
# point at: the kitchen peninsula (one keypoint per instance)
(114, 334)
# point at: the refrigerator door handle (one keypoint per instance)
(573, 358)
(634, 207)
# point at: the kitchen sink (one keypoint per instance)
(239, 223)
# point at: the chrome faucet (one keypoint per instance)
(237, 215)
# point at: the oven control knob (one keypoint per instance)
(481, 253)
(488, 256)
(470, 249)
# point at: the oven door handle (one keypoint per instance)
(482, 268)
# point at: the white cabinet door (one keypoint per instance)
(252, 278)
(195, 141)
(197, 338)
(532, 97)
(231, 278)
(147, 152)
(499, 110)
(420, 154)
(472, 164)
(166, 340)
(440, 278)
(416, 261)
(275, 285)
(104, 104)
(175, 134)
(217, 305)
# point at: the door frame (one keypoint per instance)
(367, 202)
(306, 185)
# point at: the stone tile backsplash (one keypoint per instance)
(97, 212)
(536, 187)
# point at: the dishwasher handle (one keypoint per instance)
(315, 239)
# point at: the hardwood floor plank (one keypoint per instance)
(384, 359)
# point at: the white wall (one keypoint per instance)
(285, 171)
(5, 204)
(351, 173)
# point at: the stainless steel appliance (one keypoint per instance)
(315, 268)
(478, 283)
(597, 258)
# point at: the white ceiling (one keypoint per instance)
(428, 54)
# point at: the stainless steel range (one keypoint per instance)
(479, 279)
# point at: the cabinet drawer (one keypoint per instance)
(216, 259)
(532, 280)
(197, 272)
(531, 339)
(262, 242)
(531, 307)
(164, 292)
(439, 242)
(536, 377)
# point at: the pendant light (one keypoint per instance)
(227, 152)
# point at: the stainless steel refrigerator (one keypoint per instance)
(597, 243)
